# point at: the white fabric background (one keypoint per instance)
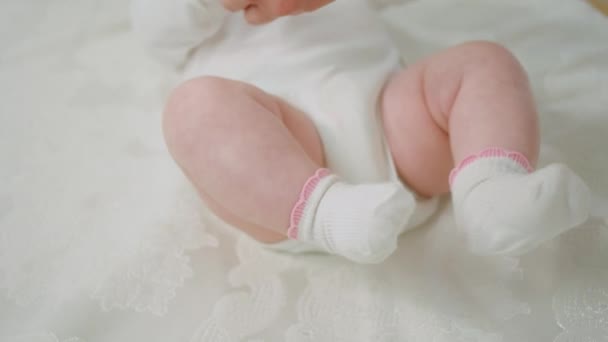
(101, 238)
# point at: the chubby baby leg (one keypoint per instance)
(258, 163)
(227, 136)
(465, 119)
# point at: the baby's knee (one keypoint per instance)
(200, 94)
(485, 48)
(487, 55)
(192, 106)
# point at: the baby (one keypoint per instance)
(308, 128)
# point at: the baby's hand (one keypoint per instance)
(264, 11)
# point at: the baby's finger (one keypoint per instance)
(257, 15)
(264, 11)
(281, 8)
(235, 5)
(313, 5)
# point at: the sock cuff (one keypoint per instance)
(493, 152)
(304, 200)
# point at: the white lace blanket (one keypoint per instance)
(101, 239)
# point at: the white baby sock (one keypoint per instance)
(359, 222)
(505, 208)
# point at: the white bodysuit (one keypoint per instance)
(332, 64)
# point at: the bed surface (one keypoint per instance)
(102, 239)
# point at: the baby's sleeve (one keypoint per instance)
(171, 29)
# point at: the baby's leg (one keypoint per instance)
(228, 136)
(258, 163)
(471, 107)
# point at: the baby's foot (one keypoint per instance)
(506, 210)
(359, 222)
(363, 222)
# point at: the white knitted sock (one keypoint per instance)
(507, 209)
(359, 222)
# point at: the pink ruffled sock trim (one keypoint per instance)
(298, 209)
(493, 152)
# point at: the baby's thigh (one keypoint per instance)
(208, 106)
(419, 146)
(206, 112)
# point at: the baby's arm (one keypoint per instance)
(170, 29)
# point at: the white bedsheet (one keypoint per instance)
(102, 239)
